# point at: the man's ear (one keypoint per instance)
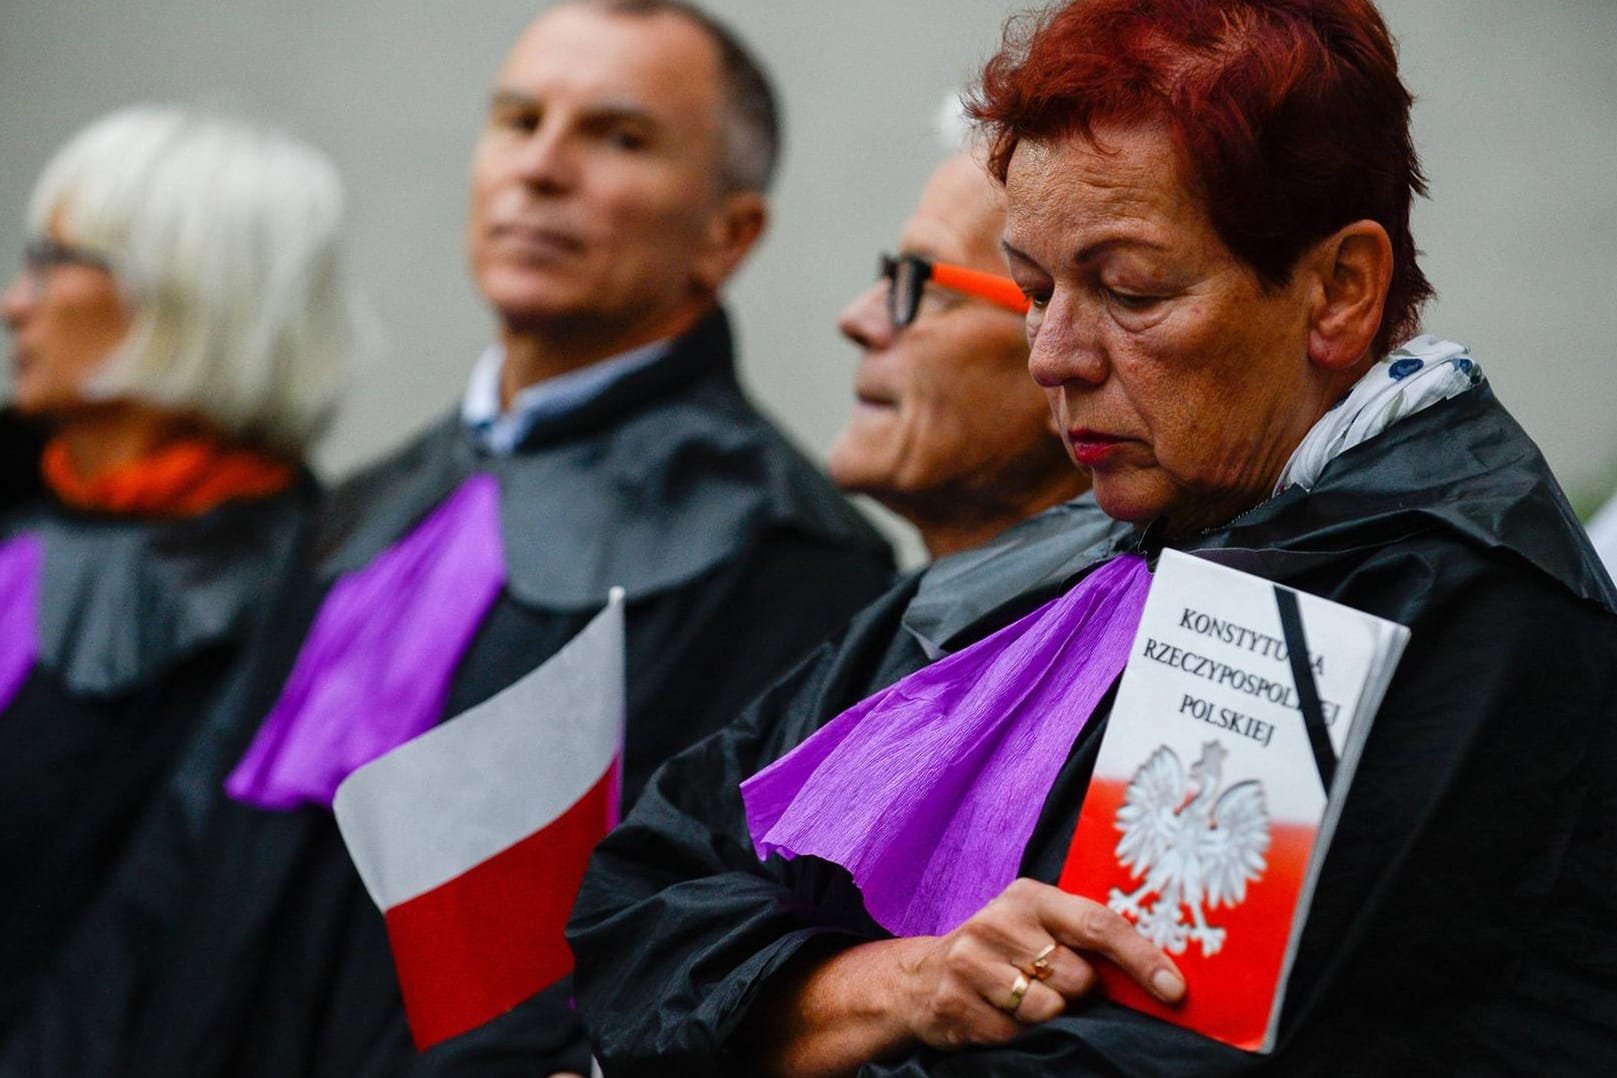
(1353, 270)
(731, 232)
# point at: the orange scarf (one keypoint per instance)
(182, 479)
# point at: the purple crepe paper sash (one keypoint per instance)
(928, 791)
(375, 669)
(20, 562)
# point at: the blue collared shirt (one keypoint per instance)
(499, 433)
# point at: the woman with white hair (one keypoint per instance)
(180, 329)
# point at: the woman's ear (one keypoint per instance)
(1354, 270)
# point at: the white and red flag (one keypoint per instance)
(473, 837)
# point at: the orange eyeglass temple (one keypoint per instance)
(989, 286)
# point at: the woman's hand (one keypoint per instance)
(1019, 961)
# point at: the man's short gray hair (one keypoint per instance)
(224, 238)
(752, 114)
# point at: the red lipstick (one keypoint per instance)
(1091, 446)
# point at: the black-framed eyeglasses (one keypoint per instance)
(42, 254)
(907, 276)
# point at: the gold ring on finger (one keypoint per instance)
(1040, 969)
(1019, 989)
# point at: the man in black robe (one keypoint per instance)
(1464, 923)
(617, 184)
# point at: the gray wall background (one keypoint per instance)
(1515, 120)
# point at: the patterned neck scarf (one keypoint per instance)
(1416, 375)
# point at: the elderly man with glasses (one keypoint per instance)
(948, 430)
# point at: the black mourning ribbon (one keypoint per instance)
(1291, 627)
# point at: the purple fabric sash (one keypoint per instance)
(928, 791)
(21, 560)
(375, 669)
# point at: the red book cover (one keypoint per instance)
(1219, 783)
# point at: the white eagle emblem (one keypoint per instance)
(1190, 850)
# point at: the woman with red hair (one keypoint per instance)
(1209, 213)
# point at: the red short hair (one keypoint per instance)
(1290, 116)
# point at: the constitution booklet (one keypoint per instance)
(1229, 751)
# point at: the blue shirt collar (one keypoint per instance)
(500, 433)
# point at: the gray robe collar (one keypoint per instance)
(665, 477)
(123, 600)
(955, 592)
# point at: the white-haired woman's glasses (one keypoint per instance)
(42, 254)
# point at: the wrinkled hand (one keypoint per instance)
(958, 989)
(981, 984)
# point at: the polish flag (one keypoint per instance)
(473, 837)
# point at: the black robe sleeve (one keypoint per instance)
(75, 775)
(1460, 924)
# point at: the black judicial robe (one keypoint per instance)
(20, 446)
(1466, 918)
(145, 627)
(256, 951)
